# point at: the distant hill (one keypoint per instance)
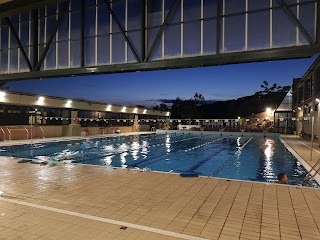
(242, 107)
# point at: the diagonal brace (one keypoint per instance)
(296, 21)
(161, 30)
(122, 31)
(16, 36)
(61, 15)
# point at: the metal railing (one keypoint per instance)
(4, 134)
(16, 129)
(42, 132)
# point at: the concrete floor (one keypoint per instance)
(86, 202)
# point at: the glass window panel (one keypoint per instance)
(191, 10)
(154, 13)
(134, 14)
(90, 51)
(14, 19)
(135, 39)
(23, 63)
(51, 57)
(13, 41)
(24, 16)
(13, 60)
(24, 33)
(103, 20)
(75, 54)
(51, 9)
(51, 24)
(75, 25)
(209, 36)
(4, 62)
(90, 18)
(283, 29)
(234, 33)
(41, 12)
(119, 10)
(209, 8)
(75, 5)
(41, 30)
(260, 4)
(258, 30)
(191, 39)
(4, 37)
(41, 48)
(235, 6)
(172, 41)
(104, 50)
(63, 50)
(90, 3)
(177, 13)
(307, 19)
(63, 30)
(118, 48)
(158, 49)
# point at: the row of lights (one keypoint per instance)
(40, 101)
(317, 101)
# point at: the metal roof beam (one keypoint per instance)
(122, 31)
(16, 36)
(61, 15)
(200, 61)
(296, 21)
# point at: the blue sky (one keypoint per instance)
(147, 88)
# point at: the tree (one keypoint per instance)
(198, 99)
(163, 107)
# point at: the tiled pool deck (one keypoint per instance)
(86, 202)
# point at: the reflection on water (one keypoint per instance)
(268, 157)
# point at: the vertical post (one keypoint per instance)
(312, 134)
(317, 22)
(218, 27)
(143, 27)
(82, 31)
(35, 32)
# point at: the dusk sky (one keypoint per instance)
(148, 88)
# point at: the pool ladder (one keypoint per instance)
(316, 171)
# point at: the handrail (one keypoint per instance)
(4, 134)
(17, 129)
(42, 131)
(28, 132)
(9, 134)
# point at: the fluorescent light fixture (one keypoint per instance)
(40, 100)
(299, 108)
(145, 111)
(135, 110)
(123, 109)
(68, 103)
(268, 110)
(168, 114)
(317, 99)
(2, 94)
(109, 107)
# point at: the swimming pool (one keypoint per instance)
(253, 158)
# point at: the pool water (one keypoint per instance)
(253, 158)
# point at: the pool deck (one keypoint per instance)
(86, 202)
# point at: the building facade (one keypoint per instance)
(65, 117)
(306, 98)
